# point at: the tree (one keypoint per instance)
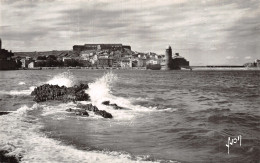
(41, 58)
(52, 57)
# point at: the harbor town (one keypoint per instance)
(102, 56)
(93, 56)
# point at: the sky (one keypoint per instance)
(205, 32)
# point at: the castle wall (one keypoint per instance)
(114, 47)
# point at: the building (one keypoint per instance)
(104, 62)
(173, 63)
(139, 62)
(179, 61)
(64, 59)
(6, 60)
(152, 61)
(113, 47)
(126, 62)
(256, 63)
(26, 61)
(31, 64)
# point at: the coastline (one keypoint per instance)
(88, 68)
(194, 68)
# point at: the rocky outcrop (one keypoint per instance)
(54, 92)
(76, 93)
(93, 108)
(115, 106)
(8, 158)
(81, 112)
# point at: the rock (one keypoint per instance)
(106, 102)
(4, 158)
(93, 108)
(4, 112)
(104, 114)
(88, 107)
(69, 110)
(115, 106)
(81, 112)
(54, 92)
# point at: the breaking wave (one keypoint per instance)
(101, 90)
(64, 79)
(21, 137)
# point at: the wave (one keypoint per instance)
(101, 90)
(21, 137)
(21, 83)
(18, 92)
(64, 79)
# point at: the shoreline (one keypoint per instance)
(3, 157)
(193, 68)
(144, 68)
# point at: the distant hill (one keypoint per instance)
(57, 53)
(75, 54)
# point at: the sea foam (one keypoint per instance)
(64, 79)
(18, 92)
(21, 83)
(20, 135)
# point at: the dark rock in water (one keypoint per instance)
(8, 159)
(54, 92)
(4, 112)
(81, 112)
(115, 106)
(69, 110)
(104, 114)
(106, 102)
(88, 107)
(93, 108)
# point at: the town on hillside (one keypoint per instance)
(94, 56)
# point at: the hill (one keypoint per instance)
(57, 53)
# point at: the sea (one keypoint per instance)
(168, 117)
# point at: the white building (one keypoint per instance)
(31, 64)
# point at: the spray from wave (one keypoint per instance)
(18, 92)
(64, 79)
(100, 90)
